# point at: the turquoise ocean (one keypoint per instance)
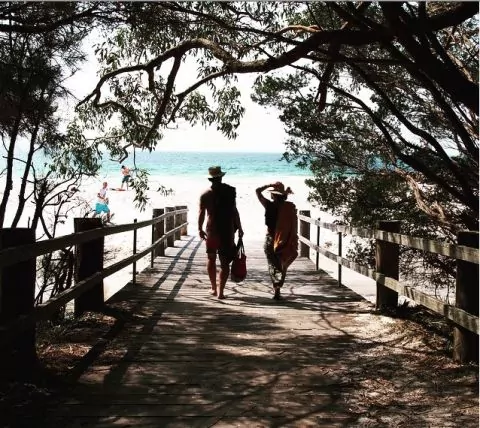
(195, 164)
(189, 164)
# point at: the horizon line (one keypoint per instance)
(211, 151)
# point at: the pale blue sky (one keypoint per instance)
(260, 130)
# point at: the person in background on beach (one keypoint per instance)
(126, 176)
(281, 241)
(102, 202)
(223, 220)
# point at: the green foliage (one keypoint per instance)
(71, 153)
(125, 117)
(380, 100)
(140, 185)
(387, 145)
(55, 155)
(165, 191)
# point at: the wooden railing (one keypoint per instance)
(464, 314)
(18, 253)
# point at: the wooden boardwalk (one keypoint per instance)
(181, 358)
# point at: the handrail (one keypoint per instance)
(460, 252)
(464, 314)
(458, 316)
(10, 256)
(46, 309)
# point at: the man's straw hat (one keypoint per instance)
(215, 171)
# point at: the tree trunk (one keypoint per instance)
(28, 164)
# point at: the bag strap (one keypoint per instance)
(240, 247)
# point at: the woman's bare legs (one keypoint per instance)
(278, 285)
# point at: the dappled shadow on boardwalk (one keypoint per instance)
(178, 357)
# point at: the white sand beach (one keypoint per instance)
(187, 191)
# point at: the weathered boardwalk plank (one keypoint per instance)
(185, 359)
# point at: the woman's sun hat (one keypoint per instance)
(279, 189)
(215, 171)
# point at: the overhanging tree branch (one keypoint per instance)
(333, 51)
(231, 64)
(451, 80)
(409, 160)
(166, 97)
(51, 26)
(423, 134)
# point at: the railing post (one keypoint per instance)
(17, 296)
(169, 225)
(387, 263)
(317, 255)
(152, 254)
(134, 274)
(88, 260)
(156, 234)
(159, 250)
(340, 254)
(184, 219)
(305, 232)
(178, 222)
(465, 343)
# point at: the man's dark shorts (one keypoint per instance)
(125, 178)
(225, 253)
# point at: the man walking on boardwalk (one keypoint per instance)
(223, 220)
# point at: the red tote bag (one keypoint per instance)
(238, 271)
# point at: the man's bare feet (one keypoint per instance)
(213, 292)
(221, 296)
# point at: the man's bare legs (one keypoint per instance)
(224, 272)
(212, 275)
(212, 272)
